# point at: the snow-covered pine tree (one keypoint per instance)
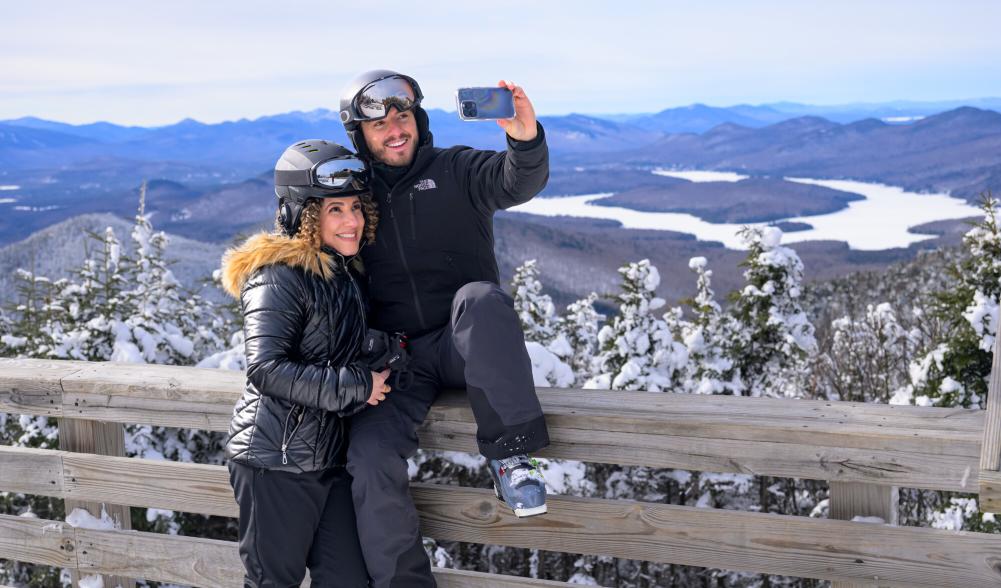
(576, 338)
(954, 372)
(772, 336)
(706, 337)
(637, 351)
(535, 309)
(165, 324)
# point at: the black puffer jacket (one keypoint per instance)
(304, 325)
(436, 226)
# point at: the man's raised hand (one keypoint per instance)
(522, 126)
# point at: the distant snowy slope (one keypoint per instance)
(56, 251)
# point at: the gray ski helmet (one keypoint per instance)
(314, 169)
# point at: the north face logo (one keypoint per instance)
(427, 184)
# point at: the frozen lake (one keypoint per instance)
(881, 221)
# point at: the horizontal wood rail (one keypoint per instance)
(754, 542)
(917, 447)
(169, 558)
(866, 449)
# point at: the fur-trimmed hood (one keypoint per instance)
(262, 249)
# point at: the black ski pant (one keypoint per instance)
(293, 521)
(482, 349)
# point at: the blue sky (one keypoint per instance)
(158, 62)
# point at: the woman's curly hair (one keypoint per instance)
(309, 222)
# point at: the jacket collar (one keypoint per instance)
(262, 249)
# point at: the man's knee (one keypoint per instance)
(478, 294)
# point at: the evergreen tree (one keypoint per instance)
(705, 338)
(637, 351)
(954, 372)
(535, 309)
(576, 338)
(772, 335)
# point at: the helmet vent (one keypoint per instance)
(312, 150)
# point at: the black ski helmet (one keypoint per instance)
(297, 181)
(352, 119)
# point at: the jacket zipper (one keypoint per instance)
(413, 217)
(406, 267)
(287, 436)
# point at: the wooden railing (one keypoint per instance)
(866, 451)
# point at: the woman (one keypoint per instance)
(304, 324)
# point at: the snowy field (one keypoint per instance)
(881, 221)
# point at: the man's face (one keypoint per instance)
(392, 140)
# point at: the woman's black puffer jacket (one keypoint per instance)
(304, 325)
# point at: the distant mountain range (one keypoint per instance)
(212, 181)
(247, 146)
(958, 151)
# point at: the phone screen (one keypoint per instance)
(485, 103)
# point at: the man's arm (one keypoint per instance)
(497, 180)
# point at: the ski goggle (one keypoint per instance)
(375, 99)
(341, 174)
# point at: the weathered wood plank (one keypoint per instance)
(31, 386)
(466, 579)
(990, 456)
(153, 394)
(102, 439)
(913, 468)
(166, 558)
(189, 487)
(730, 421)
(27, 470)
(148, 411)
(37, 541)
(753, 542)
(157, 382)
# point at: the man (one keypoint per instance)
(432, 274)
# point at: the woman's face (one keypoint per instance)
(342, 224)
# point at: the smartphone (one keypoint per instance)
(484, 103)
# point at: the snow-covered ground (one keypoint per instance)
(881, 221)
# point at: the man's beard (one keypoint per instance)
(401, 158)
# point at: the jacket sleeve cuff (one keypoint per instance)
(539, 139)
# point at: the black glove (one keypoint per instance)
(381, 351)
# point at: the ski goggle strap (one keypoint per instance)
(375, 99)
(346, 174)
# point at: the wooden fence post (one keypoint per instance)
(990, 448)
(102, 439)
(852, 499)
